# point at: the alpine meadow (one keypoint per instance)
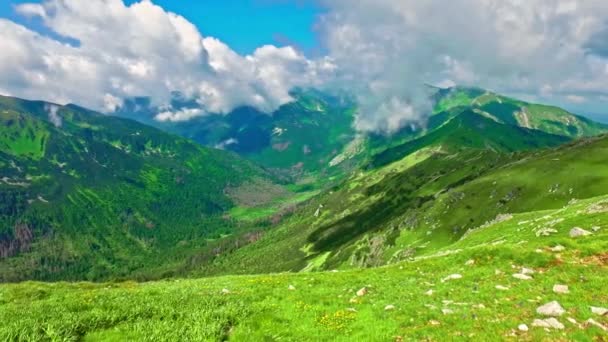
(323, 170)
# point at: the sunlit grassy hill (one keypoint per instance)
(420, 204)
(488, 285)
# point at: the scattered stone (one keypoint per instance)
(550, 323)
(434, 322)
(389, 308)
(291, 288)
(545, 232)
(522, 327)
(578, 232)
(591, 321)
(498, 272)
(551, 309)
(362, 292)
(558, 248)
(447, 311)
(599, 311)
(354, 300)
(429, 292)
(451, 277)
(479, 306)
(522, 276)
(574, 322)
(351, 310)
(562, 289)
(596, 229)
(502, 288)
(225, 291)
(526, 271)
(470, 262)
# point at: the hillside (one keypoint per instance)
(312, 139)
(468, 129)
(493, 284)
(89, 196)
(549, 119)
(420, 204)
(301, 138)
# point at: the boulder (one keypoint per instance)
(599, 311)
(579, 232)
(550, 323)
(551, 309)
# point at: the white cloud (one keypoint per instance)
(142, 50)
(184, 114)
(383, 51)
(576, 99)
(387, 49)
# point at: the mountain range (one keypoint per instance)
(489, 194)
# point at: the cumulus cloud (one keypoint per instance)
(142, 50)
(386, 50)
(382, 51)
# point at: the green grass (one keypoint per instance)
(324, 305)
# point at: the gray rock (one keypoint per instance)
(389, 308)
(551, 309)
(362, 292)
(558, 248)
(451, 277)
(578, 232)
(522, 276)
(447, 311)
(599, 311)
(545, 232)
(526, 271)
(550, 323)
(562, 289)
(522, 327)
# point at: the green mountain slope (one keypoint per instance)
(549, 119)
(470, 129)
(300, 138)
(467, 291)
(313, 138)
(425, 202)
(88, 196)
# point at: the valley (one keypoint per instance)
(461, 228)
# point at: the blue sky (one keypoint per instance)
(243, 24)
